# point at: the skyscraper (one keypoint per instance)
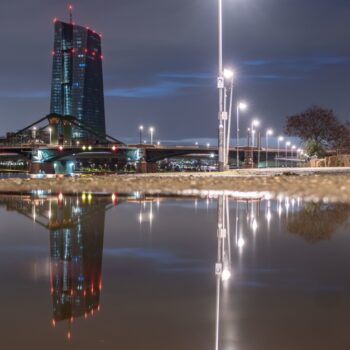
(77, 81)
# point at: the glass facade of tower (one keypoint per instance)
(77, 81)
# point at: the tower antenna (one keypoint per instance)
(70, 9)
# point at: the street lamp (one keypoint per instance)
(208, 145)
(287, 145)
(50, 132)
(228, 74)
(220, 86)
(240, 106)
(280, 138)
(291, 151)
(256, 123)
(269, 132)
(141, 129)
(151, 130)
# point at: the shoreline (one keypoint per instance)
(330, 184)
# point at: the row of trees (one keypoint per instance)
(320, 130)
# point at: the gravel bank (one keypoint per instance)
(332, 185)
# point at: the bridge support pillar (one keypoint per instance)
(67, 132)
(53, 124)
(144, 167)
(37, 168)
(248, 159)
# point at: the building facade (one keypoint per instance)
(77, 79)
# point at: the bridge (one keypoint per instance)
(51, 148)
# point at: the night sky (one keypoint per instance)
(161, 61)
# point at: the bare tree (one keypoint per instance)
(319, 129)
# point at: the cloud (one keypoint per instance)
(164, 85)
(199, 75)
(288, 69)
(314, 62)
(273, 77)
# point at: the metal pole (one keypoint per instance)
(225, 128)
(237, 145)
(258, 144)
(267, 146)
(220, 87)
(277, 162)
(140, 136)
(229, 124)
(286, 154)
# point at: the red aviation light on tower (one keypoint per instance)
(55, 20)
(70, 9)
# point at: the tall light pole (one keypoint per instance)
(287, 144)
(50, 132)
(292, 152)
(269, 132)
(151, 130)
(280, 138)
(228, 74)
(256, 123)
(141, 129)
(220, 85)
(240, 106)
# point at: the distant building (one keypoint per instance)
(77, 80)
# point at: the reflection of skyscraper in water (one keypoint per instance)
(76, 245)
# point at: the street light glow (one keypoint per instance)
(269, 132)
(226, 274)
(255, 122)
(242, 106)
(228, 73)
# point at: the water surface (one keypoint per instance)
(135, 272)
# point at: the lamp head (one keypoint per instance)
(242, 106)
(228, 73)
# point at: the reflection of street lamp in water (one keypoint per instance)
(223, 264)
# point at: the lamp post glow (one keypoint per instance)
(141, 129)
(50, 132)
(151, 130)
(240, 106)
(269, 132)
(281, 138)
